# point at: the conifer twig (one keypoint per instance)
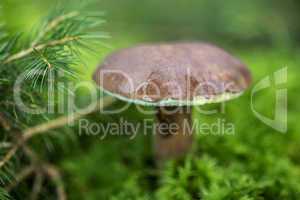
(52, 24)
(53, 124)
(26, 172)
(58, 44)
(28, 51)
(10, 153)
(41, 169)
(64, 120)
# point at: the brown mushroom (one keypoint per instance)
(173, 77)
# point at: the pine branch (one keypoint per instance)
(52, 24)
(56, 123)
(10, 153)
(73, 30)
(40, 47)
(58, 45)
(25, 173)
(62, 121)
(41, 169)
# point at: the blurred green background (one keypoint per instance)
(257, 162)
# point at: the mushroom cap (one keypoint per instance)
(169, 74)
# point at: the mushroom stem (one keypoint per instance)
(173, 136)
